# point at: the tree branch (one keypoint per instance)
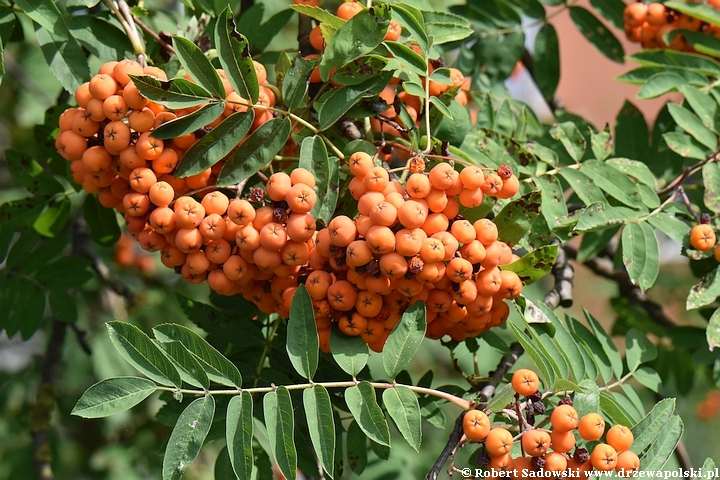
(563, 273)
(452, 442)
(603, 266)
(45, 403)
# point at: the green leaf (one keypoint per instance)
(569, 135)
(601, 215)
(670, 226)
(319, 415)
(191, 371)
(355, 38)
(612, 182)
(707, 467)
(648, 429)
(53, 218)
(602, 143)
(198, 66)
(223, 467)
(412, 60)
(553, 205)
(638, 349)
(611, 10)
(692, 124)
(607, 344)
(113, 395)
(65, 272)
(568, 347)
(279, 418)
(337, 102)
(547, 60)
(614, 411)
(597, 34)
(704, 292)
(190, 123)
(663, 446)
(219, 369)
(502, 398)
(63, 306)
(28, 172)
(239, 434)
(543, 367)
(635, 169)
(47, 15)
(516, 218)
(711, 180)
(104, 228)
(234, 56)
(256, 151)
(702, 104)
(411, 19)
(174, 94)
(441, 107)
(314, 158)
(65, 58)
(356, 446)
(143, 354)
(329, 202)
(350, 353)
(660, 84)
(642, 74)
(682, 61)
(364, 408)
(641, 254)
(361, 69)
(632, 138)
(295, 82)
(583, 186)
(648, 378)
(704, 12)
(402, 406)
(592, 347)
(684, 145)
(562, 385)
(587, 401)
(534, 265)
(713, 330)
(320, 14)
(216, 144)
(302, 336)
(404, 340)
(187, 437)
(446, 27)
(100, 37)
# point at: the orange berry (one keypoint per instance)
(278, 185)
(476, 425)
(347, 10)
(591, 427)
(342, 231)
(102, 86)
(498, 442)
(619, 437)
(511, 285)
(603, 457)
(418, 185)
(564, 418)
(459, 270)
(342, 296)
(302, 175)
(628, 464)
(525, 382)
(149, 147)
(535, 442)
(241, 212)
(142, 179)
(634, 15)
(376, 179)
(301, 198)
(702, 237)
(562, 442)
(125, 67)
(383, 213)
(555, 462)
(215, 202)
(360, 164)
(443, 176)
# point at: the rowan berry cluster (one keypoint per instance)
(549, 449)
(407, 244)
(125, 255)
(650, 25)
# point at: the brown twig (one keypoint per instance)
(687, 171)
(453, 441)
(45, 403)
(145, 28)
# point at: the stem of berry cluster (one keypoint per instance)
(460, 402)
(121, 10)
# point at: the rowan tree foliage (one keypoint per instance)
(262, 239)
